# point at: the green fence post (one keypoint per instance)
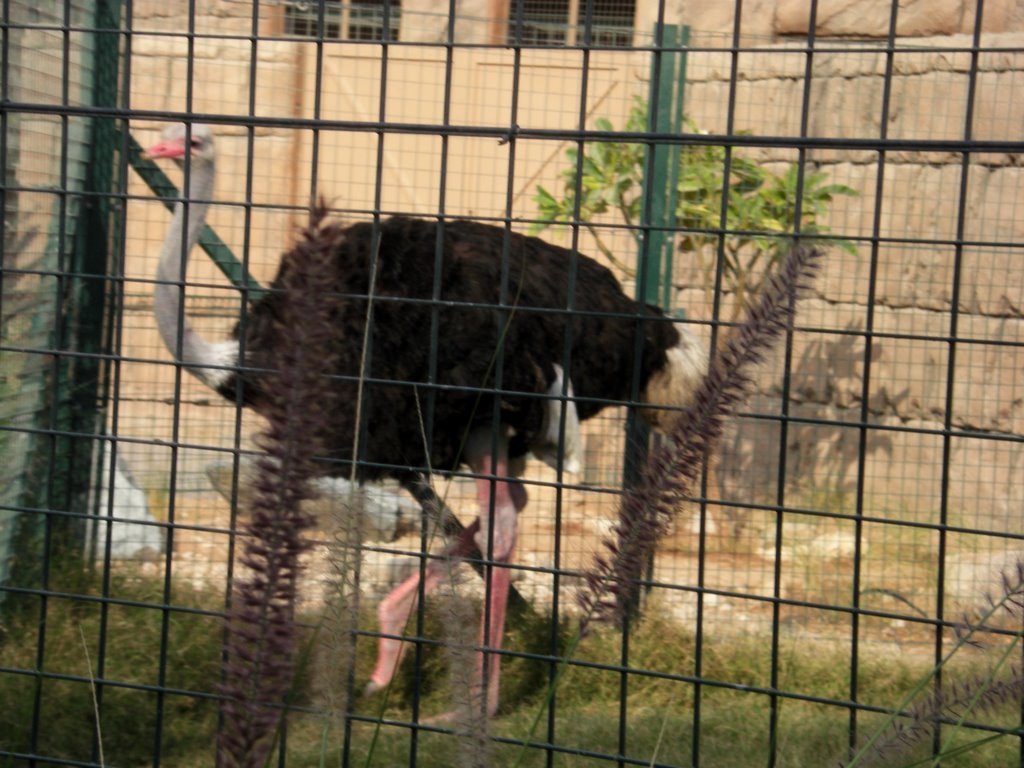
(658, 215)
(91, 263)
(665, 117)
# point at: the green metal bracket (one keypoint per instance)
(665, 116)
(209, 240)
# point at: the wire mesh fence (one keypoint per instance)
(864, 501)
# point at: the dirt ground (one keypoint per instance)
(729, 583)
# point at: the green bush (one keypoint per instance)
(758, 205)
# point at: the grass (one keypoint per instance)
(131, 656)
(734, 723)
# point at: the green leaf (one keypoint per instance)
(757, 202)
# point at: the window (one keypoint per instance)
(354, 20)
(563, 22)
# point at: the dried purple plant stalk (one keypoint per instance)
(646, 511)
(946, 706)
(1010, 601)
(983, 694)
(261, 638)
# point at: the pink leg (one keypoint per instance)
(494, 532)
(500, 501)
(394, 610)
(491, 633)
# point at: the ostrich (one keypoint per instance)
(498, 388)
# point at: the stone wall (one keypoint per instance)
(709, 19)
(914, 202)
(917, 203)
(851, 19)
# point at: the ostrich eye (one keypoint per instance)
(197, 142)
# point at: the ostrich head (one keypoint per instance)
(173, 144)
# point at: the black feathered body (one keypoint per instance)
(500, 295)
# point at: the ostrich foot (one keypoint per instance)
(467, 717)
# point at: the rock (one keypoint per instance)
(386, 514)
(125, 502)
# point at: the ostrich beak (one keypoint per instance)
(168, 148)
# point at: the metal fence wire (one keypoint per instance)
(842, 583)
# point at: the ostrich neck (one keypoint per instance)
(185, 343)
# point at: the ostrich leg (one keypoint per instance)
(394, 610)
(422, 491)
(493, 532)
